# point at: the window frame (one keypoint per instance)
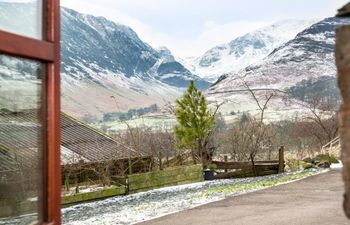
(46, 51)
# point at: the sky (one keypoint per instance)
(191, 27)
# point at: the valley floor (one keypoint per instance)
(311, 201)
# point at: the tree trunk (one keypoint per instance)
(253, 165)
(342, 53)
(204, 156)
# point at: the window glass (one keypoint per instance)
(20, 140)
(23, 17)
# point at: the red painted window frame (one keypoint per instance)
(48, 52)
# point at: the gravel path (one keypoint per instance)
(143, 206)
(148, 205)
(312, 201)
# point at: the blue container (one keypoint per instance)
(208, 174)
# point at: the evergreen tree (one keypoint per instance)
(195, 122)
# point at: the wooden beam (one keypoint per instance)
(281, 159)
(52, 28)
(244, 173)
(267, 167)
(243, 165)
(232, 165)
(19, 46)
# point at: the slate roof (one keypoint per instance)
(20, 136)
(18, 141)
(90, 142)
(344, 11)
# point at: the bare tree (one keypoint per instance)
(261, 103)
(324, 113)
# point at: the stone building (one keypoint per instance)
(342, 54)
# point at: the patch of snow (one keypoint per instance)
(337, 165)
(143, 206)
(245, 50)
(34, 199)
(70, 157)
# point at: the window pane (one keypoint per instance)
(22, 17)
(20, 140)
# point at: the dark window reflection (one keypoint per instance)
(20, 140)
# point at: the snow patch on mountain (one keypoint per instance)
(103, 59)
(310, 55)
(245, 50)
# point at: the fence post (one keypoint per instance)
(127, 185)
(160, 161)
(129, 165)
(225, 159)
(281, 159)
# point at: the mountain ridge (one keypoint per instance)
(246, 49)
(309, 54)
(100, 54)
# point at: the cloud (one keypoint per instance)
(212, 34)
(195, 28)
(223, 33)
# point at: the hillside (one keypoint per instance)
(308, 56)
(101, 58)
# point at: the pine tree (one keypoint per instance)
(195, 122)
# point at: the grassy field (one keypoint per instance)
(152, 121)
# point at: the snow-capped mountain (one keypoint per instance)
(106, 67)
(309, 55)
(166, 54)
(290, 72)
(98, 54)
(102, 45)
(294, 73)
(245, 50)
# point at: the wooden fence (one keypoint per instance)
(98, 172)
(141, 182)
(227, 169)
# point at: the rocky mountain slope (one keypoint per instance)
(306, 59)
(246, 49)
(101, 58)
(105, 66)
(309, 55)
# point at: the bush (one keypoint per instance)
(212, 166)
(295, 165)
(325, 157)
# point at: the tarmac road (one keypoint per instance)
(316, 200)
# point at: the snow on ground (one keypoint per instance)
(143, 206)
(134, 208)
(337, 165)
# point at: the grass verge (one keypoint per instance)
(246, 187)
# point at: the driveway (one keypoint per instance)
(316, 200)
